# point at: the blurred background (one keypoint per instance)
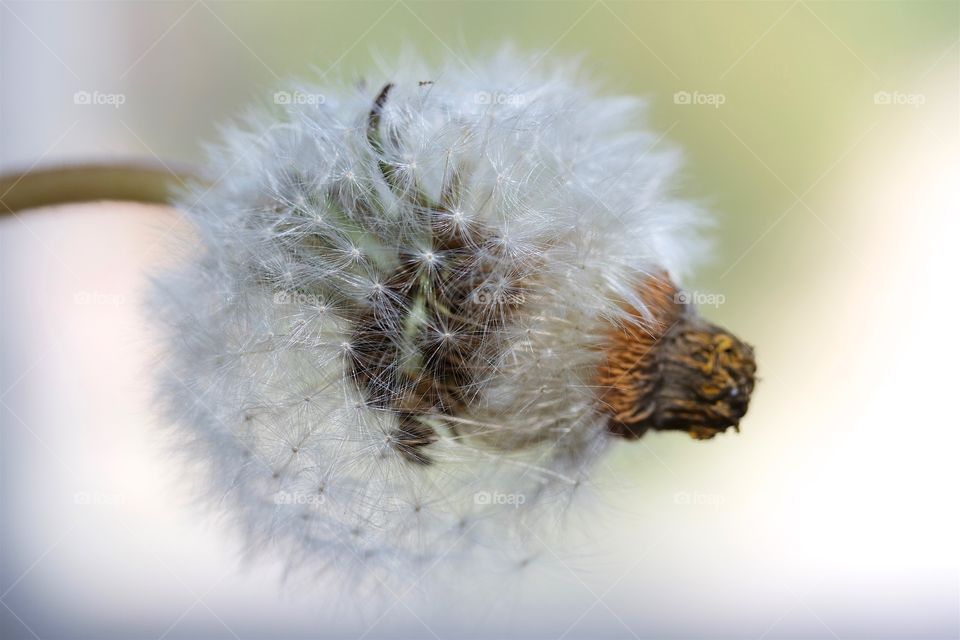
(824, 136)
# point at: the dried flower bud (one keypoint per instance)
(675, 371)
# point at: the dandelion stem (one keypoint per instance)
(138, 180)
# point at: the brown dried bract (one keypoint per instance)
(672, 370)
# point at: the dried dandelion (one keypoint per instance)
(424, 307)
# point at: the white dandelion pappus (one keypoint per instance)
(390, 349)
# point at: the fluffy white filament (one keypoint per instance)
(311, 217)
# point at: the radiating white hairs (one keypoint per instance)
(382, 355)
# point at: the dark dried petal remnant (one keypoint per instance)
(675, 371)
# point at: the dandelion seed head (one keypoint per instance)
(383, 355)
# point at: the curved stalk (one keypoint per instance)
(131, 181)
